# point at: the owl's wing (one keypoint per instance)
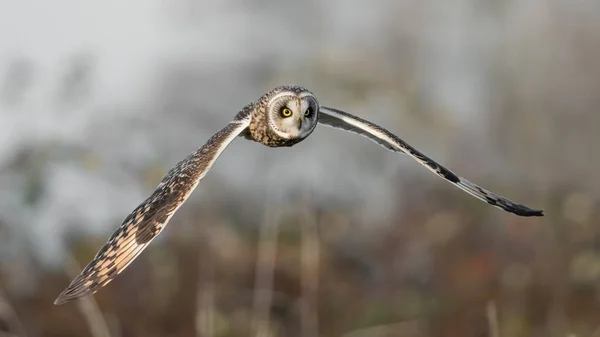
(150, 217)
(345, 121)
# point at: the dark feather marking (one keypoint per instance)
(398, 145)
(330, 120)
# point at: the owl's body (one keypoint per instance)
(281, 117)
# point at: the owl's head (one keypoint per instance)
(291, 112)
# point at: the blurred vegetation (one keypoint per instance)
(434, 272)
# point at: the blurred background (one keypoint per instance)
(334, 236)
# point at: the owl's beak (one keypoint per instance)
(300, 122)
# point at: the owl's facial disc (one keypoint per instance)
(293, 115)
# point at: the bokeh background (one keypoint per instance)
(334, 236)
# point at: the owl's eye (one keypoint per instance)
(285, 112)
(308, 112)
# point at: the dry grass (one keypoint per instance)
(265, 265)
(492, 315)
(9, 315)
(87, 306)
(310, 252)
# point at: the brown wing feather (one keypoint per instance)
(147, 220)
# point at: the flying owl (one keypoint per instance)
(283, 116)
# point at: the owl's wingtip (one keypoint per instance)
(537, 213)
(528, 212)
(61, 299)
(66, 296)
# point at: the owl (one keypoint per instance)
(281, 117)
